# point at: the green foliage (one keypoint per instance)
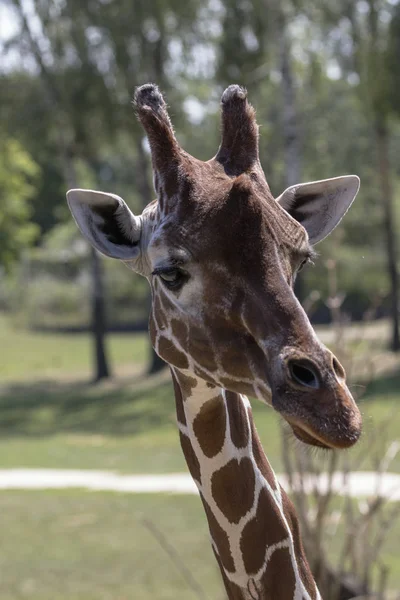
(60, 287)
(18, 176)
(76, 114)
(55, 303)
(97, 547)
(25, 116)
(126, 426)
(33, 355)
(392, 58)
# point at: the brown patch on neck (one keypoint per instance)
(237, 420)
(265, 529)
(234, 591)
(209, 426)
(232, 487)
(190, 456)
(259, 456)
(186, 383)
(301, 559)
(279, 580)
(220, 539)
(180, 411)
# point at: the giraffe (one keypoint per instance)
(221, 255)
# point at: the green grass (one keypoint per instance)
(128, 427)
(27, 355)
(85, 546)
(74, 545)
(336, 536)
(50, 416)
(79, 545)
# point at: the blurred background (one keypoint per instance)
(80, 387)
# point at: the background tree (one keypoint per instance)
(304, 65)
(18, 176)
(367, 58)
(94, 57)
(70, 131)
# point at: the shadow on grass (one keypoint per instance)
(385, 386)
(47, 408)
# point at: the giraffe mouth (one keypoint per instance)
(320, 410)
(307, 438)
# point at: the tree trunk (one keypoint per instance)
(98, 326)
(155, 363)
(382, 139)
(290, 121)
(290, 126)
(56, 104)
(337, 586)
(102, 370)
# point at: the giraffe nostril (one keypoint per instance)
(338, 369)
(303, 373)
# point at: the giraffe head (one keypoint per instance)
(221, 255)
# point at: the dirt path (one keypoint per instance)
(358, 484)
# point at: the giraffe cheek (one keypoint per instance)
(171, 354)
(152, 331)
(232, 363)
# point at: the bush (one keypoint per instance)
(51, 291)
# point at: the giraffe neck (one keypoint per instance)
(253, 526)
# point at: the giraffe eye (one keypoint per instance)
(303, 264)
(308, 258)
(172, 278)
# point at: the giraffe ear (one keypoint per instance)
(106, 222)
(320, 205)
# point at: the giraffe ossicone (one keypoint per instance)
(221, 255)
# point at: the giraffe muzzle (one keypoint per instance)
(312, 396)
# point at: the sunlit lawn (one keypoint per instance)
(130, 426)
(27, 355)
(75, 545)
(55, 418)
(79, 545)
(127, 427)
